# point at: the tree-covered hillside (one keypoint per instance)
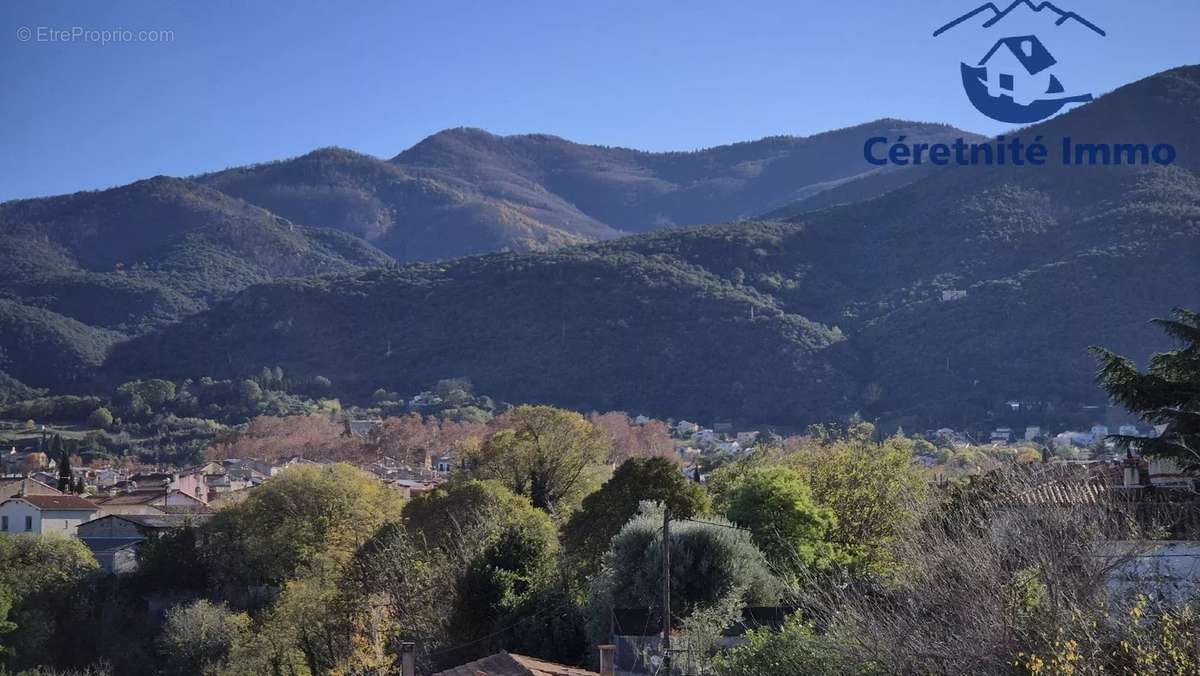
(833, 312)
(465, 191)
(79, 272)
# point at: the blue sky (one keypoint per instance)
(244, 82)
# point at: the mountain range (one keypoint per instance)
(90, 269)
(925, 296)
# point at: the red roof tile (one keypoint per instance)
(58, 502)
(509, 664)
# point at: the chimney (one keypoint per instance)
(408, 665)
(608, 659)
(1132, 477)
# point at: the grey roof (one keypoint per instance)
(162, 521)
(99, 545)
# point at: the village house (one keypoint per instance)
(23, 463)
(114, 539)
(152, 502)
(747, 438)
(14, 486)
(686, 428)
(39, 514)
(1001, 435)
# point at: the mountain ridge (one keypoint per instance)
(833, 312)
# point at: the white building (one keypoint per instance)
(747, 438)
(38, 514)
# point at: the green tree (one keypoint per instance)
(501, 579)
(250, 393)
(590, 530)
(788, 526)
(709, 562)
(1167, 394)
(101, 417)
(462, 518)
(791, 649)
(152, 393)
(196, 637)
(303, 515)
(876, 491)
(546, 453)
(42, 578)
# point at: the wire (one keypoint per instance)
(747, 530)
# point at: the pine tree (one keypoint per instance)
(1167, 394)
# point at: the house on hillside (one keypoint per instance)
(686, 428)
(41, 514)
(23, 463)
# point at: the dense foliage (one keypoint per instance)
(1168, 394)
(837, 311)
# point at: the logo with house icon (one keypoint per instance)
(1015, 81)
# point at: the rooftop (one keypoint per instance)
(509, 664)
(57, 502)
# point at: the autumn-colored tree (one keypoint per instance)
(270, 438)
(410, 438)
(631, 440)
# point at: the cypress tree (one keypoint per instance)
(64, 470)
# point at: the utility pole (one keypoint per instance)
(666, 616)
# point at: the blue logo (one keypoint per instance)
(1014, 81)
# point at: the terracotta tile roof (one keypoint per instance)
(58, 502)
(1064, 493)
(135, 498)
(10, 486)
(509, 664)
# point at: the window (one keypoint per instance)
(3, 523)
(1006, 81)
(29, 523)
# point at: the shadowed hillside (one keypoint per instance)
(837, 311)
